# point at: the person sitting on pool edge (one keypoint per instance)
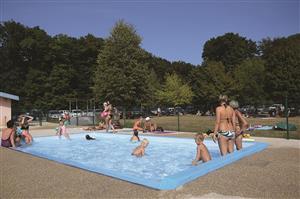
(202, 151)
(101, 126)
(135, 136)
(8, 135)
(149, 125)
(140, 150)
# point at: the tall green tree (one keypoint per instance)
(208, 82)
(282, 65)
(59, 90)
(249, 79)
(182, 69)
(12, 64)
(25, 63)
(121, 75)
(160, 66)
(175, 92)
(230, 49)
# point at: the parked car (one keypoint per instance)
(190, 110)
(292, 112)
(176, 110)
(153, 111)
(54, 114)
(62, 112)
(179, 110)
(262, 111)
(248, 110)
(76, 113)
(36, 114)
(277, 107)
(132, 113)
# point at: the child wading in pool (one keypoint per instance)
(135, 137)
(140, 150)
(62, 130)
(202, 152)
(137, 126)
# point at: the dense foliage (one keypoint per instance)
(47, 71)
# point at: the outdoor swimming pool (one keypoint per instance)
(166, 165)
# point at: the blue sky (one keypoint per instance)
(171, 29)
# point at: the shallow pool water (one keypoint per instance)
(110, 154)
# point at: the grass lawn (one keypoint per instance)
(192, 123)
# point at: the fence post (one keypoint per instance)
(40, 118)
(287, 117)
(76, 113)
(178, 129)
(124, 115)
(94, 112)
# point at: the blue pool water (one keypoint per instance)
(166, 165)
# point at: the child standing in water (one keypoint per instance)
(61, 130)
(202, 152)
(140, 150)
(137, 126)
(25, 119)
(135, 137)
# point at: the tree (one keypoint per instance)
(208, 82)
(182, 69)
(13, 67)
(249, 79)
(282, 61)
(121, 75)
(175, 92)
(160, 66)
(230, 49)
(59, 90)
(25, 63)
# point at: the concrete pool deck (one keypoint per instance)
(272, 173)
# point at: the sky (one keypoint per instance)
(175, 30)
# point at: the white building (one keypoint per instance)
(5, 107)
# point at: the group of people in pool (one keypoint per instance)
(16, 132)
(229, 128)
(228, 131)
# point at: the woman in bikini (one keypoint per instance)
(108, 118)
(224, 127)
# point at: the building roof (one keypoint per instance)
(9, 96)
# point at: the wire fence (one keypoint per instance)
(188, 118)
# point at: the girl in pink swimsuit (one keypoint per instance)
(62, 130)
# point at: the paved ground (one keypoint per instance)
(272, 173)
